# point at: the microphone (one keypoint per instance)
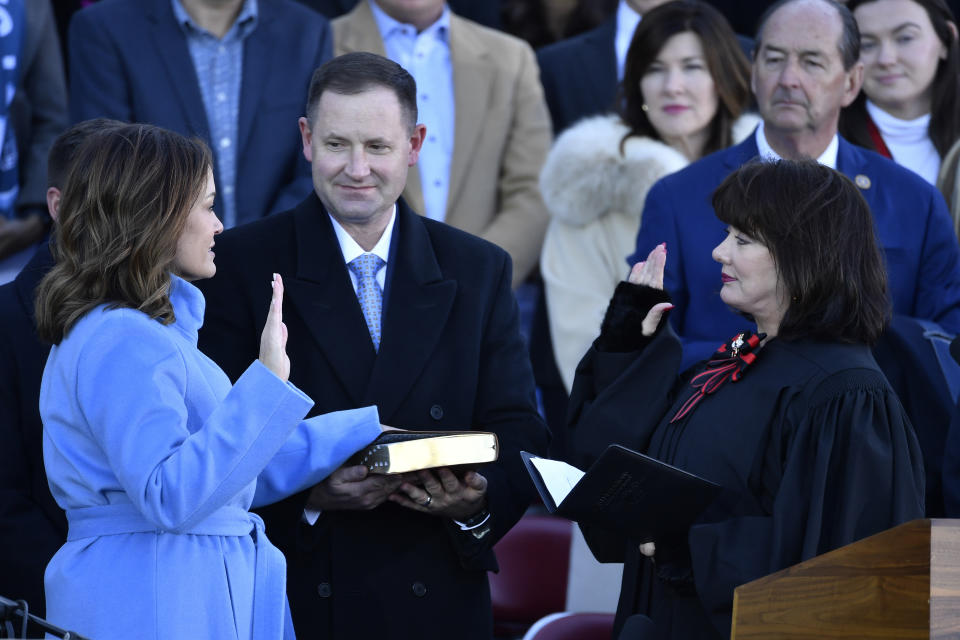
(11, 608)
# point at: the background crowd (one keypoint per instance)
(576, 136)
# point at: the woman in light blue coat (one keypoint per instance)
(154, 456)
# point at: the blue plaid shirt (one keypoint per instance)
(219, 66)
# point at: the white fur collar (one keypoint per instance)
(585, 177)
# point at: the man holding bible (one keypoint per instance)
(389, 308)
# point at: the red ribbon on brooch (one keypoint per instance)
(728, 363)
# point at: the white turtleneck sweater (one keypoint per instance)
(908, 142)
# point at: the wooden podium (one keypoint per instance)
(901, 583)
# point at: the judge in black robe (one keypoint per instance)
(806, 437)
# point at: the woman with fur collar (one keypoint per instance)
(685, 89)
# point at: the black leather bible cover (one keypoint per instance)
(632, 494)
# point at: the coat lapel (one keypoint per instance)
(472, 80)
(357, 31)
(257, 62)
(600, 57)
(418, 306)
(171, 47)
(742, 153)
(323, 295)
(852, 163)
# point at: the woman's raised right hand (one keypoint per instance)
(273, 340)
(650, 273)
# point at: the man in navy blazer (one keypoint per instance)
(804, 72)
(381, 556)
(130, 60)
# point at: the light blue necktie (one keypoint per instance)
(365, 267)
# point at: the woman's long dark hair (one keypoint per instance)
(726, 63)
(125, 203)
(944, 127)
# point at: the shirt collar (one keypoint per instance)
(627, 17)
(388, 26)
(828, 158)
(351, 249)
(246, 20)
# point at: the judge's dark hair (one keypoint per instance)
(944, 127)
(819, 231)
(124, 206)
(65, 147)
(849, 44)
(724, 58)
(356, 72)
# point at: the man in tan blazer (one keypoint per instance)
(501, 127)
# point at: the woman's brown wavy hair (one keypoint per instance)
(725, 60)
(125, 203)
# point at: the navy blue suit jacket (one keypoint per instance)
(579, 75)
(129, 60)
(32, 526)
(451, 357)
(913, 228)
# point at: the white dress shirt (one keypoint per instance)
(426, 56)
(828, 158)
(350, 250)
(627, 21)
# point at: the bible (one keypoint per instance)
(623, 491)
(402, 451)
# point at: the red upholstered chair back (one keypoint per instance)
(534, 560)
(572, 626)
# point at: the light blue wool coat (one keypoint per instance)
(156, 460)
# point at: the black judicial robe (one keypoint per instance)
(811, 446)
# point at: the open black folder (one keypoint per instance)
(623, 491)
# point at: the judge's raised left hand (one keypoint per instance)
(649, 273)
(441, 492)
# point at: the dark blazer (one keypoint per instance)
(129, 60)
(38, 112)
(451, 357)
(32, 526)
(913, 228)
(579, 75)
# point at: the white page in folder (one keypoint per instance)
(559, 477)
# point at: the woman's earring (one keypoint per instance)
(644, 107)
